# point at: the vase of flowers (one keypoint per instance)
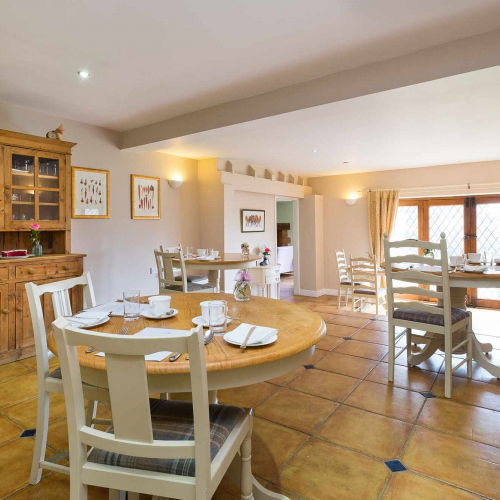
(35, 240)
(266, 252)
(242, 291)
(245, 248)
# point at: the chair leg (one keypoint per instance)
(339, 297)
(117, 495)
(408, 347)
(392, 352)
(448, 364)
(91, 412)
(246, 486)
(42, 425)
(469, 347)
(376, 307)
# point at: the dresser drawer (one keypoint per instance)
(272, 279)
(273, 271)
(29, 272)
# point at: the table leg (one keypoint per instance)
(214, 279)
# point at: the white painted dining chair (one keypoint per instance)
(198, 279)
(438, 320)
(51, 381)
(364, 275)
(168, 282)
(344, 280)
(164, 448)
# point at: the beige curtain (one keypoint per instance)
(382, 209)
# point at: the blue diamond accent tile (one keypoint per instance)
(428, 394)
(395, 465)
(309, 367)
(28, 433)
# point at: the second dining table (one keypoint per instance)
(228, 366)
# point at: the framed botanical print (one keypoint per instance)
(90, 193)
(145, 197)
(253, 221)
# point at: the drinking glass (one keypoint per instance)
(131, 305)
(488, 256)
(217, 316)
(189, 252)
(210, 252)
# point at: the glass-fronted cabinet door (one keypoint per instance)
(34, 189)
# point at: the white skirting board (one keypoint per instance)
(318, 293)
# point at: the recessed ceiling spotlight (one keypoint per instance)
(84, 74)
(315, 150)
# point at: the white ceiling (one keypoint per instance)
(156, 59)
(445, 121)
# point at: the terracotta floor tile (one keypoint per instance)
(479, 374)
(470, 465)
(56, 487)
(12, 370)
(277, 489)
(318, 354)
(17, 390)
(247, 396)
(57, 437)
(272, 446)
(326, 316)
(433, 364)
(413, 379)
(323, 471)
(470, 391)
(15, 464)
(377, 325)
(321, 308)
(356, 314)
(283, 379)
(296, 410)
(410, 486)
(25, 413)
(362, 349)
(382, 317)
(367, 432)
(31, 362)
(324, 384)
(346, 365)
(8, 430)
(386, 400)
(340, 330)
(329, 342)
(374, 336)
(471, 422)
(341, 319)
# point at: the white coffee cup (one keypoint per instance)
(204, 311)
(456, 260)
(215, 253)
(201, 252)
(159, 304)
(475, 258)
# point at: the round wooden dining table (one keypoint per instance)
(224, 262)
(228, 366)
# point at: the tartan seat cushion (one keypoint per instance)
(381, 291)
(56, 373)
(173, 420)
(191, 287)
(348, 282)
(457, 315)
(199, 280)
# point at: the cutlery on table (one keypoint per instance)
(208, 336)
(175, 356)
(89, 350)
(123, 331)
(247, 338)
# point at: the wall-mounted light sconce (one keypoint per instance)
(351, 201)
(175, 183)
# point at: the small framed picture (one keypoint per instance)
(253, 221)
(90, 193)
(145, 197)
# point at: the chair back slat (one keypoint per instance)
(415, 259)
(417, 277)
(343, 274)
(419, 306)
(129, 394)
(164, 263)
(415, 290)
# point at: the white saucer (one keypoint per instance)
(272, 339)
(200, 321)
(491, 271)
(148, 314)
(78, 325)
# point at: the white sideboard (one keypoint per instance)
(264, 277)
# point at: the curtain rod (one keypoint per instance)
(465, 185)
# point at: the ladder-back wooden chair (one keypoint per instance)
(198, 279)
(51, 381)
(364, 274)
(344, 280)
(439, 320)
(168, 282)
(173, 449)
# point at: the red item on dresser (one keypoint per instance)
(14, 253)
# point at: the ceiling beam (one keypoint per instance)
(441, 61)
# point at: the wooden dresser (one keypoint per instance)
(35, 187)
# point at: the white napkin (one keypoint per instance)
(475, 269)
(206, 257)
(87, 318)
(259, 336)
(154, 332)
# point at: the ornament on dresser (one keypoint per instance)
(266, 252)
(35, 240)
(56, 134)
(245, 248)
(242, 291)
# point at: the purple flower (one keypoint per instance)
(246, 276)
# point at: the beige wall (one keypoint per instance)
(347, 226)
(119, 249)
